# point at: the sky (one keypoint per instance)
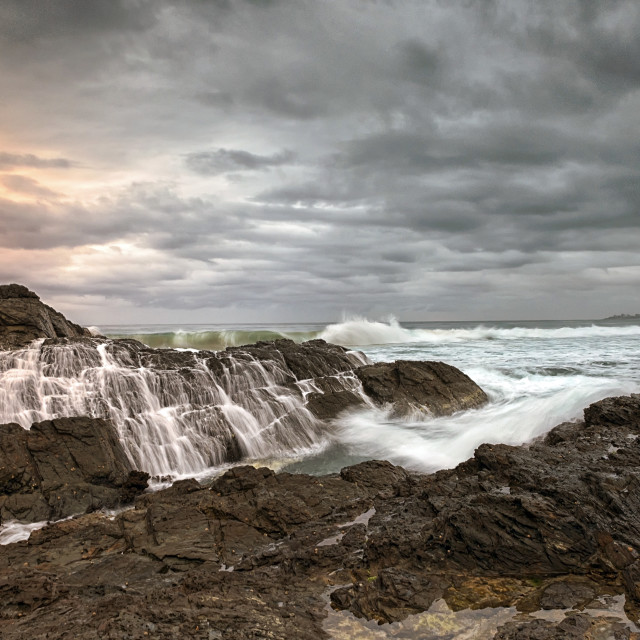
(300, 160)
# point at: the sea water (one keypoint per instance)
(537, 374)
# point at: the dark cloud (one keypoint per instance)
(420, 62)
(275, 159)
(228, 160)
(28, 20)
(10, 160)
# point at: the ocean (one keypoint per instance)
(537, 374)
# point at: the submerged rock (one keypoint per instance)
(63, 467)
(24, 318)
(551, 529)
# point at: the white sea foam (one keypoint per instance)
(360, 331)
(520, 410)
(14, 531)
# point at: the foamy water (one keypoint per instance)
(536, 375)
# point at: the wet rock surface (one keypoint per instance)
(24, 318)
(337, 378)
(550, 531)
(63, 467)
(435, 388)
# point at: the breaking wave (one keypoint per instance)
(211, 340)
(358, 331)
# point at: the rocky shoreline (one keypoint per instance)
(531, 542)
(550, 527)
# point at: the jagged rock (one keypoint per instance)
(24, 318)
(331, 398)
(309, 360)
(380, 478)
(576, 626)
(408, 387)
(567, 594)
(63, 467)
(551, 526)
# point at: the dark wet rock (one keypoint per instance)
(380, 478)
(238, 558)
(619, 412)
(567, 594)
(576, 626)
(432, 387)
(391, 594)
(134, 484)
(553, 526)
(330, 378)
(312, 359)
(338, 379)
(24, 318)
(277, 504)
(332, 398)
(63, 467)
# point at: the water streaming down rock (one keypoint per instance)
(179, 412)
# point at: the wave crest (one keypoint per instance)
(360, 332)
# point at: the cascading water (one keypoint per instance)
(177, 413)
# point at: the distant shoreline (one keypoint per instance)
(624, 316)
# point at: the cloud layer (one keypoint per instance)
(282, 161)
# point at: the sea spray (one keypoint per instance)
(519, 411)
(357, 331)
(362, 332)
(537, 375)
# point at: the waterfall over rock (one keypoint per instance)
(179, 412)
(182, 412)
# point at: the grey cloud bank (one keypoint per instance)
(282, 161)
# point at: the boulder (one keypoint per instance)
(24, 318)
(294, 388)
(408, 387)
(435, 388)
(63, 467)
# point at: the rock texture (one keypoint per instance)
(337, 377)
(554, 526)
(432, 387)
(24, 318)
(63, 467)
(292, 390)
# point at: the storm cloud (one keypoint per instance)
(230, 160)
(279, 161)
